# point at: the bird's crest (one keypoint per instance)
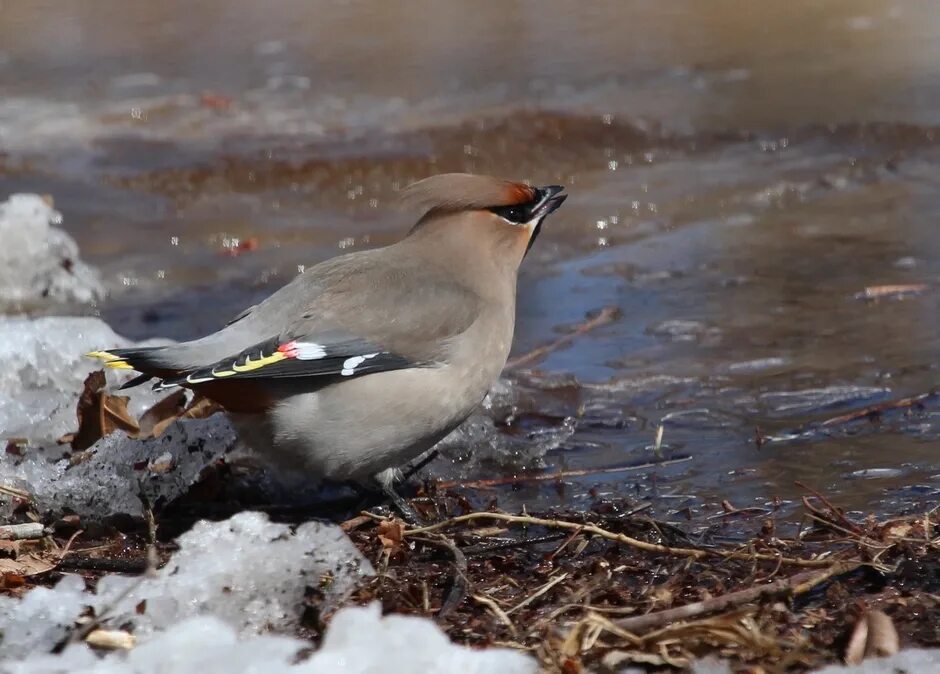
(465, 191)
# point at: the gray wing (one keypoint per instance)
(350, 316)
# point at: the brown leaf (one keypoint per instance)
(391, 533)
(100, 413)
(201, 408)
(855, 650)
(10, 548)
(156, 420)
(29, 564)
(882, 636)
(874, 636)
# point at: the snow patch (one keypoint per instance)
(39, 263)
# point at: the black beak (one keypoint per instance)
(550, 198)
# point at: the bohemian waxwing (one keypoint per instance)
(366, 360)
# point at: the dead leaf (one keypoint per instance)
(15, 446)
(156, 420)
(11, 580)
(874, 636)
(391, 533)
(111, 640)
(661, 596)
(29, 564)
(100, 413)
(201, 408)
(882, 636)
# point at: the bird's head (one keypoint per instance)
(506, 215)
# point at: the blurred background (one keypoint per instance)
(740, 173)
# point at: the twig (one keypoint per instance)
(538, 593)
(497, 611)
(555, 475)
(482, 549)
(878, 409)
(604, 316)
(837, 512)
(617, 538)
(105, 564)
(461, 586)
(793, 586)
(13, 491)
(19, 532)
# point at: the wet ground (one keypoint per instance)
(738, 178)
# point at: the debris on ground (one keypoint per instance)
(610, 589)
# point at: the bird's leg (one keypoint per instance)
(433, 454)
(409, 514)
(383, 490)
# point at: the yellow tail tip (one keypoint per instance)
(101, 355)
(110, 360)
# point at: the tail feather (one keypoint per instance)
(147, 361)
(136, 381)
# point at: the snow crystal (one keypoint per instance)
(39, 263)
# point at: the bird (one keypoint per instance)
(365, 361)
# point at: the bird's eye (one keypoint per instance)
(515, 214)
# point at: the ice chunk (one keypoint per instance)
(247, 571)
(912, 661)
(211, 608)
(41, 619)
(250, 573)
(361, 641)
(43, 368)
(203, 645)
(358, 641)
(478, 441)
(39, 263)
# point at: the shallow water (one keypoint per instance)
(738, 176)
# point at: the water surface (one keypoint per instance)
(739, 175)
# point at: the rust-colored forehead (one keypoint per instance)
(465, 191)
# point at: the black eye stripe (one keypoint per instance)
(517, 214)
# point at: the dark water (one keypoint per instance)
(739, 174)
